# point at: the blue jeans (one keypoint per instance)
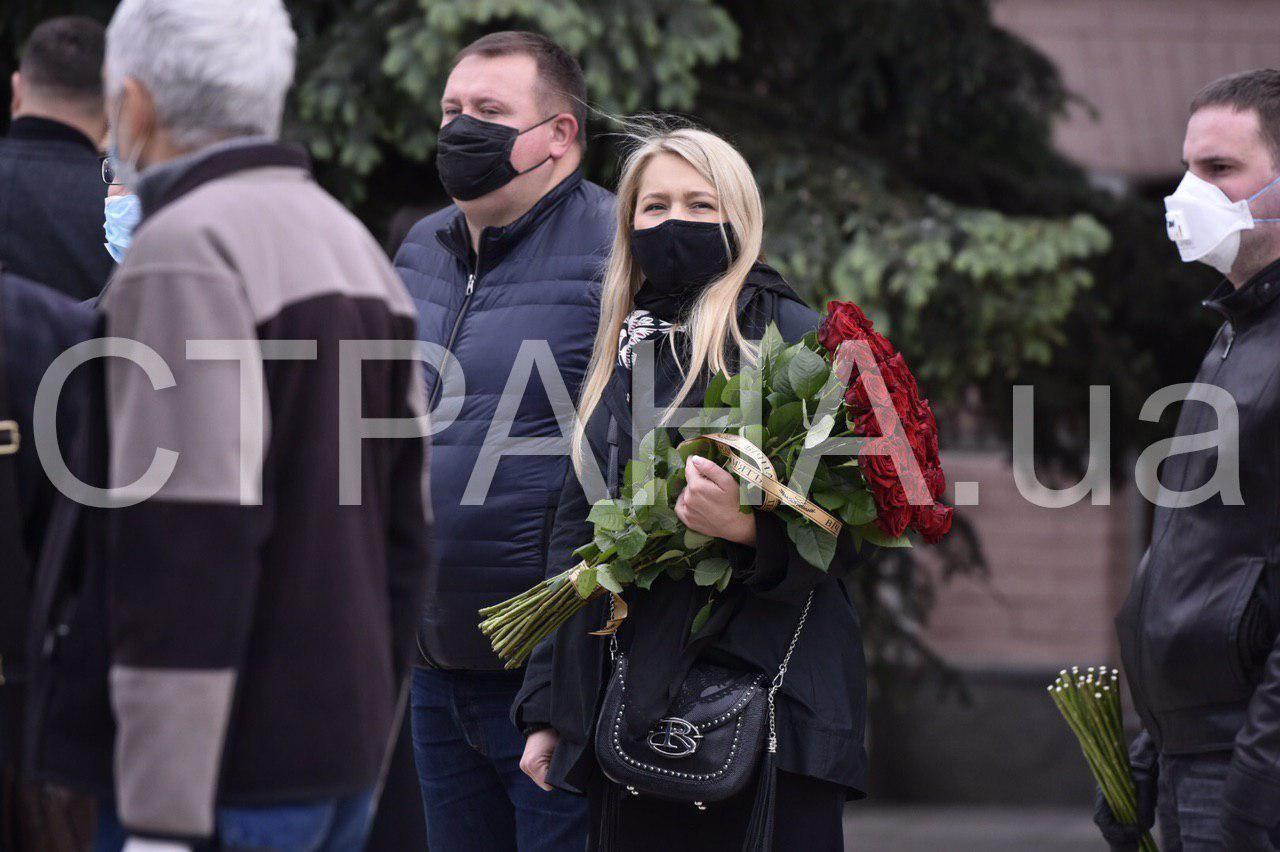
(468, 754)
(327, 825)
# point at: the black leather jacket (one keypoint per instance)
(1198, 631)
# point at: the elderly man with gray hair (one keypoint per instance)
(260, 591)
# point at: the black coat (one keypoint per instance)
(822, 705)
(37, 324)
(51, 208)
(1199, 631)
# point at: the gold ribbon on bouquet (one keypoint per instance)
(756, 469)
(619, 612)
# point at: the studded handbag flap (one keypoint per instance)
(706, 749)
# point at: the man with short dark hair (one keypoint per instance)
(1199, 632)
(51, 189)
(516, 260)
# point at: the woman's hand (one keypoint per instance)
(709, 503)
(536, 759)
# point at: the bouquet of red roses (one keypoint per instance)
(832, 431)
(893, 404)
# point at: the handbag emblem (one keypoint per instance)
(674, 737)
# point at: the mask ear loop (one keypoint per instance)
(548, 157)
(1259, 194)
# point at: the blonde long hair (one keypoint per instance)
(713, 319)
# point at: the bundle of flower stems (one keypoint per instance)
(1090, 702)
(516, 626)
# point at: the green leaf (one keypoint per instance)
(709, 571)
(694, 540)
(732, 394)
(696, 447)
(604, 576)
(607, 515)
(622, 572)
(588, 552)
(586, 582)
(674, 461)
(631, 542)
(723, 582)
(751, 392)
(784, 421)
(645, 578)
(780, 370)
(815, 545)
(819, 431)
(771, 343)
(669, 554)
(859, 508)
(876, 536)
(755, 433)
(829, 500)
(715, 391)
(629, 474)
(665, 520)
(808, 373)
(654, 444)
(700, 620)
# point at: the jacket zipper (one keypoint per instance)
(453, 333)
(439, 389)
(613, 456)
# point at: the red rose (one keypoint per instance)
(856, 398)
(897, 376)
(933, 522)
(865, 392)
(880, 346)
(877, 467)
(915, 477)
(844, 321)
(895, 495)
(894, 520)
(903, 406)
(937, 482)
(919, 440)
(865, 424)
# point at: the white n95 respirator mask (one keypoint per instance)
(1206, 225)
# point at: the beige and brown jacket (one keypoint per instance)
(259, 620)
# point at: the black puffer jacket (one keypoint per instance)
(1198, 631)
(822, 706)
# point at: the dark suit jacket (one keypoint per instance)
(51, 208)
(36, 325)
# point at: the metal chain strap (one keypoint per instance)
(782, 674)
(777, 678)
(613, 637)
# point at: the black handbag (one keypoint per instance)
(718, 736)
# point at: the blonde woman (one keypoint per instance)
(686, 273)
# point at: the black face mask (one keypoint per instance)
(678, 259)
(473, 157)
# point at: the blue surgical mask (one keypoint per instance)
(123, 214)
